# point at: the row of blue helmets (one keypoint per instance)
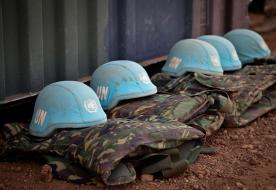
(71, 104)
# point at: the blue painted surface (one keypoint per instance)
(144, 29)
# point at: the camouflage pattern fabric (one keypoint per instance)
(63, 169)
(269, 69)
(181, 107)
(103, 149)
(240, 88)
(266, 66)
(164, 163)
(263, 66)
(172, 85)
(264, 105)
(210, 121)
(244, 92)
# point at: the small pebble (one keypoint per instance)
(235, 137)
(247, 146)
(147, 177)
(238, 184)
(195, 187)
(253, 162)
(46, 173)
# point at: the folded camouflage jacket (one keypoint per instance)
(111, 150)
(189, 109)
(265, 69)
(243, 89)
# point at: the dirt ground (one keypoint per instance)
(246, 160)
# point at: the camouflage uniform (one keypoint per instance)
(109, 149)
(239, 87)
(265, 69)
(266, 66)
(189, 109)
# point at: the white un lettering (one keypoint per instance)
(102, 92)
(40, 117)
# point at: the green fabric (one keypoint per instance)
(181, 107)
(210, 121)
(172, 162)
(64, 170)
(239, 86)
(103, 149)
(259, 69)
(244, 93)
(264, 105)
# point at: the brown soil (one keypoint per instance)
(246, 160)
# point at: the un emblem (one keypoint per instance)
(90, 105)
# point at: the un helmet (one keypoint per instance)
(65, 104)
(192, 55)
(249, 45)
(228, 55)
(121, 80)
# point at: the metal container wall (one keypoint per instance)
(43, 41)
(219, 16)
(144, 29)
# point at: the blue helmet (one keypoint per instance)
(228, 55)
(192, 55)
(121, 80)
(65, 104)
(249, 45)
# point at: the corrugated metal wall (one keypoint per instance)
(42, 41)
(218, 16)
(145, 29)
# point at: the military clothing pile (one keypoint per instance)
(112, 149)
(239, 87)
(147, 133)
(201, 111)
